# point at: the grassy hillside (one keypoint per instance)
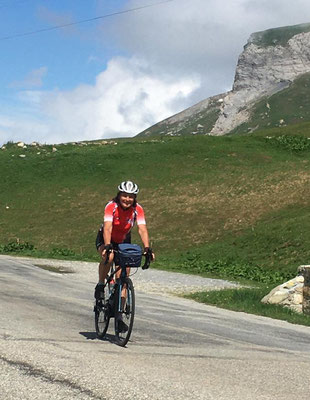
(227, 201)
(198, 119)
(288, 107)
(278, 36)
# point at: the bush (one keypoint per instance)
(290, 142)
(235, 270)
(61, 252)
(16, 247)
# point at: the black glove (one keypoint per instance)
(149, 256)
(108, 247)
(148, 252)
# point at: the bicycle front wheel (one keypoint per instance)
(124, 312)
(102, 314)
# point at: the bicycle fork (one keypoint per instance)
(122, 299)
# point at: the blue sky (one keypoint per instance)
(118, 75)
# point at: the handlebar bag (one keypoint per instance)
(130, 255)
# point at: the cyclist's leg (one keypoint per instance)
(103, 270)
(124, 287)
(104, 267)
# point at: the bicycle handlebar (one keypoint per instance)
(148, 259)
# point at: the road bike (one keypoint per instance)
(117, 300)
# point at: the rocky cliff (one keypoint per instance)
(270, 62)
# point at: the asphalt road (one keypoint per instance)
(179, 349)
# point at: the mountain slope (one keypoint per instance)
(230, 198)
(271, 61)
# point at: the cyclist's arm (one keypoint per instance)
(107, 232)
(142, 229)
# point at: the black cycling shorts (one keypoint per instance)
(100, 241)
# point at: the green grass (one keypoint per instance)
(199, 123)
(248, 300)
(287, 107)
(234, 207)
(237, 200)
(279, 36)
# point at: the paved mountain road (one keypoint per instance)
(179, 349)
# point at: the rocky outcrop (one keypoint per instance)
(270, 62)
(289, 294)
(294, 294)
(262, 71)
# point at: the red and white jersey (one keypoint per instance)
(122, 220)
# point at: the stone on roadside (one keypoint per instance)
(289, 294)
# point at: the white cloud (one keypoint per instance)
(204, 37)
(21, 128)
(125, 99)
(178, 53)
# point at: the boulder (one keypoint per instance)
(289, 294)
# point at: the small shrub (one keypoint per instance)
(16, 247)
(235, 270)
(62, 252)
(290, 142)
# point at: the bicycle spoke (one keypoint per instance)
(124, 314)
(102, 314)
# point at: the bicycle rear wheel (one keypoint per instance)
(102, 314)
(124, 312)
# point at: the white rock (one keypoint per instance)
(289, 294)
(276, 298)
(54, 149)
(20, 144)
(297, 298)
(22, 155)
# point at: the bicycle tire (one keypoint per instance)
(102, 314)
(127, 314)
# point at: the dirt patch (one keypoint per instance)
(58, 270)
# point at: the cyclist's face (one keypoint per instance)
(126, 200)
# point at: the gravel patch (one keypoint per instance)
(148, 281)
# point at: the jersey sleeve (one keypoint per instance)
(140, 215)
(108, 212)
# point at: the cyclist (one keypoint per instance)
(120, 215)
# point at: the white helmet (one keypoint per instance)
(128, 187)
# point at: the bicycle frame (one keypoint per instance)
(118, 303)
